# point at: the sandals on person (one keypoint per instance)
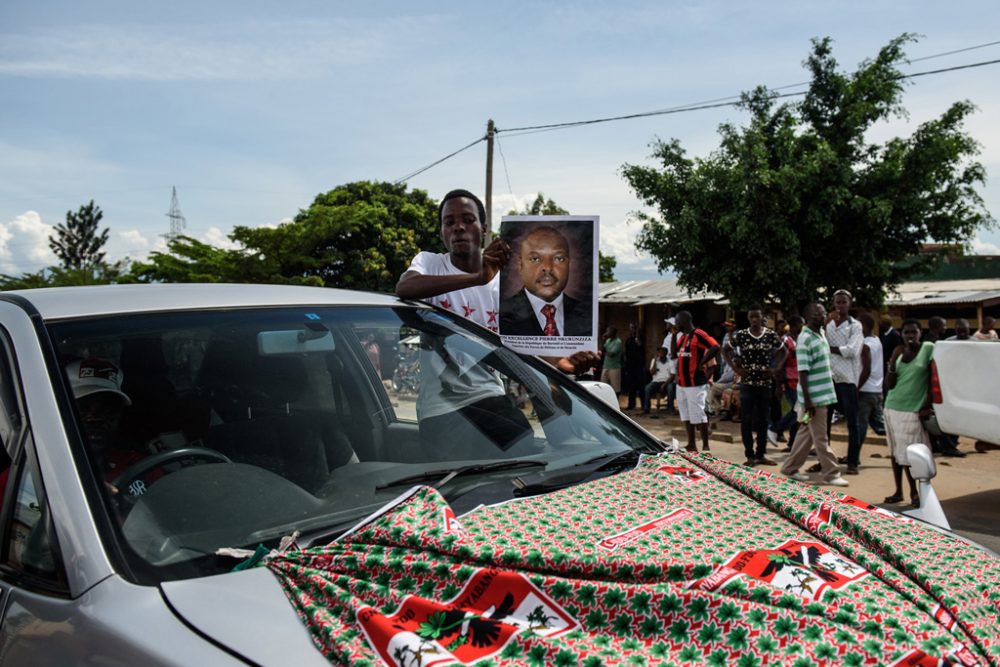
(894, 498)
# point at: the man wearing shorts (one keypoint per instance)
(694, 349)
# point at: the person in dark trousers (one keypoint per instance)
(789, 385)
(634, 366)
(846, 340)
(755, 353)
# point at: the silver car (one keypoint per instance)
(157, 439)
(250, 414)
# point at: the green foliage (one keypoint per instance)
(360, 235)
(798, 202)
(541, 206)
(606, 267)
(78, 243)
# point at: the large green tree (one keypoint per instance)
(360, 235)
(543, 206)
(79, 243)
(799, 201)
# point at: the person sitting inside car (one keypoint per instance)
(97, 387)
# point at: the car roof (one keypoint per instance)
(55, 303)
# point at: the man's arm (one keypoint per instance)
(806, 401)
(415, 285)
(712, 353)
(855, 341)
(866, 365)
(727, 354)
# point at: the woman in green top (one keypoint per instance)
(907, 404)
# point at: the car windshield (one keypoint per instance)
(234, 428)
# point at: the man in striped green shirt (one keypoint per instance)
(816, 395)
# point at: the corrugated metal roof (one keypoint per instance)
(926, 293)
(645, 292)
(939, 293)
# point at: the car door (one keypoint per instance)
(34, 596)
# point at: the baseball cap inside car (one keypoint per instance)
(93, 375)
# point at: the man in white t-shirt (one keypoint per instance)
(465, 279)
(456, 391)
(460, 399)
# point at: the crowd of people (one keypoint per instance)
(793, 379)
(788, 384)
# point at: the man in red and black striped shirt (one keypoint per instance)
(694, 349)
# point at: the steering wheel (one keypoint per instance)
(140, 468)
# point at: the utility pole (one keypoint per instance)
(490, 131)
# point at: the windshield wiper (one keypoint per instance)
(445, 475)
(543, 482)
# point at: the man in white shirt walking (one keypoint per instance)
(846, 340)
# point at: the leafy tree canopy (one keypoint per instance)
(799, 202)
(360, 235)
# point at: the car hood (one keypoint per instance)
(684, 558)
(248, 614)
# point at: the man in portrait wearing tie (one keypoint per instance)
(542, 308)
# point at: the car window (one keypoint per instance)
(232, 428)
(31, 543)
(11, 418)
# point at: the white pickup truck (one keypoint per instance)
(967, 389)
(965, 375)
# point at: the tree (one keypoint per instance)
(78, 243)
(543, 206)
(798, 202)
(361, 235)
(606, 265)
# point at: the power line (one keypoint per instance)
(437, 162)
(505, 172)
(951, 53)
(700, 107)
(715, 103)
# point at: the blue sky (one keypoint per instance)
(252, 108)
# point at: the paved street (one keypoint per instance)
(969, 488)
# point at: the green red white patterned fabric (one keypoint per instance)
(684, 560)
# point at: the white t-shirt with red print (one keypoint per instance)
(480, 304)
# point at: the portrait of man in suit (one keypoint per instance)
(542, 308)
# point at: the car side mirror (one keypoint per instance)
(922, 469)
(922, 464)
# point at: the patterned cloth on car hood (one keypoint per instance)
(685, 560)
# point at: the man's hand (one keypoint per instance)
(576, 363)
(495, 257)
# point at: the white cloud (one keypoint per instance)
(248, 50)
(981, 247)
(134, 240)
(505, 203)
(24, 244)
(216, 237)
